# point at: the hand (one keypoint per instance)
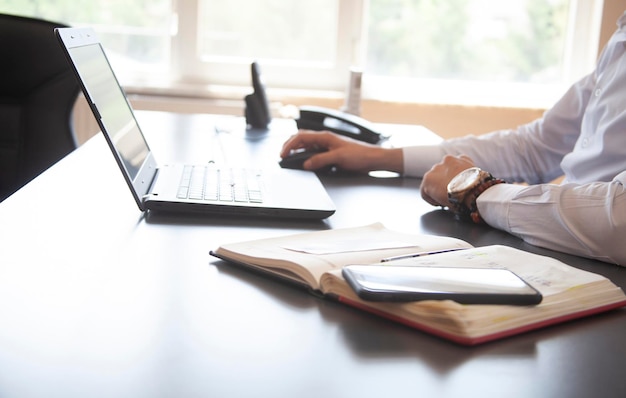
(343, 152)
(434, 186)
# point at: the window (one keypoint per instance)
(478, 48)
(137, 33)
(408, 49)
(299, 44)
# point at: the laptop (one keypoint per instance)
(211, 188)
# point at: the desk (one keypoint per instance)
(98, 301)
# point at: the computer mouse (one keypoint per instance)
(298, 157)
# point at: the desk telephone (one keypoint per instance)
(257, 111)
(311, 117)
(318, 118)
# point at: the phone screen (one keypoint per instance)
(463, 285)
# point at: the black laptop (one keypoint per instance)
(210, 188)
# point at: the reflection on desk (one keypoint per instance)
(98, 300)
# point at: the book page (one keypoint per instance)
(565, 289)
(546, 274)
(309, 255)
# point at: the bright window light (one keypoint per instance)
(518, 52)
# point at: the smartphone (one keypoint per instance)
(463, 285)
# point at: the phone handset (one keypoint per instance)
(319, 118)
(257, 106)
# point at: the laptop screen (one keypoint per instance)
(115, 113)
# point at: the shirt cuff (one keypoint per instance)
(417, 160)
(494, 204)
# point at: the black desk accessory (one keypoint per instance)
(257, 106)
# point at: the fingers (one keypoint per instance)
(343, 153)
(306, 139)
(435, 182)
(429, 199)
(319, 161)
(429, 183)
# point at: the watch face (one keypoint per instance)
(464, 180)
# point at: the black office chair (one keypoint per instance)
(37, 94)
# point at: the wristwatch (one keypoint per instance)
(464, 189)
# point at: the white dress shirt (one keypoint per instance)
(583, 137)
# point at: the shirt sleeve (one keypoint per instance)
(419, 159)
(530, 153)
(588, 220)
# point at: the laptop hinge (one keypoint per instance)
(148, 194)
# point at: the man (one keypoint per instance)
(583, 138)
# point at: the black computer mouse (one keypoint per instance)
(298, 157)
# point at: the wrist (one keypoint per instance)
(471, 200)
(465, 188)
(389, 159)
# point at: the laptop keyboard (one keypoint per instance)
(225, 185)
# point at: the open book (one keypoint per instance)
(315, 260)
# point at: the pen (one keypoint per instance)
(412, 255)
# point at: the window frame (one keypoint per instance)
(191, 76)
(187, 67)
